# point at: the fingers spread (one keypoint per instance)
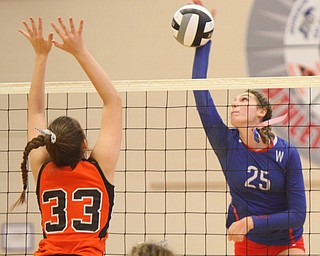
(63, 26)
(40, 26)
(71, 25)
(80, 26)
(28, 28)
(58, 31)
(33, 25)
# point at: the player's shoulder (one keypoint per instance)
(280, 143)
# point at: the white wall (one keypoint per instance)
(131, 39)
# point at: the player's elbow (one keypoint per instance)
(118, 100)
(114, 101)
(298, 219)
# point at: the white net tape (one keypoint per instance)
(173, 84)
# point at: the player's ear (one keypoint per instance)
(262, 112)
(85, 144)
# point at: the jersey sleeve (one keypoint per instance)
(295, 215)
(213, 125)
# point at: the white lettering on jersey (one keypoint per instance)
(279, 156)
(261, 179)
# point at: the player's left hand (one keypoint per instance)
(239, 229)
(72, 38)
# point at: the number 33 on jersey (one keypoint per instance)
(81, 202)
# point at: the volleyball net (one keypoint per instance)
(169, 184)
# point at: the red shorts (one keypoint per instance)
(247, 248)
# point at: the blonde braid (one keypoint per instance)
(266, 134)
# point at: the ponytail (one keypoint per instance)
(36, 142)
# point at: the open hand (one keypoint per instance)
(34, 34)
(72, 38)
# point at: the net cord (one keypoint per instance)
(172, 84)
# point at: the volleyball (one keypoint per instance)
(192, 25)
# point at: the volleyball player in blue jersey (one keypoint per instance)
(264, 173)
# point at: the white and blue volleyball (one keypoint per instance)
(192, 25)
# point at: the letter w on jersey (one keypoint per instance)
(279, 155)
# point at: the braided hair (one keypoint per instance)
(36, 142)
(68, 149)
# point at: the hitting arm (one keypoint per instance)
(213, 125)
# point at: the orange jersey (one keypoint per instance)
(76, 206)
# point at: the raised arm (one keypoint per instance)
(107, 148)
(205, 105)
(216, 130)
(36, 99)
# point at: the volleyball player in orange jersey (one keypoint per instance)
(75, 194)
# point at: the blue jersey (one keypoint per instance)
(266, 185)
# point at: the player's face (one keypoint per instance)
(245, 111)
